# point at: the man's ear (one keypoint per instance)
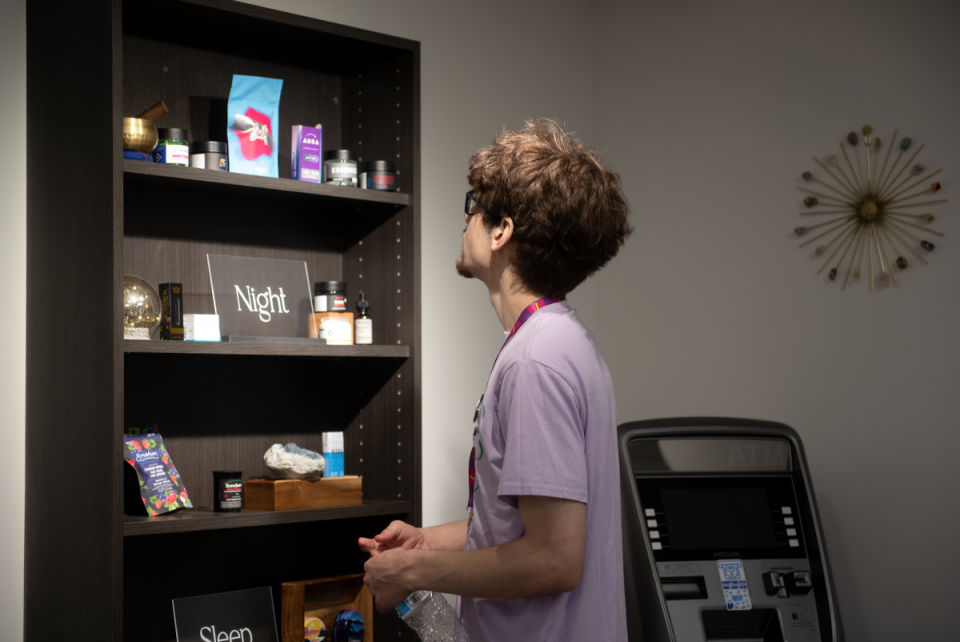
(501, 234)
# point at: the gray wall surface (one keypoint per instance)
(710, 111)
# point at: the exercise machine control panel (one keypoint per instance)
(721, 534)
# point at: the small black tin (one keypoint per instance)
(227, 491)
(209, 154)
(378, 174)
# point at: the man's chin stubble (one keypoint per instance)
(462, 269)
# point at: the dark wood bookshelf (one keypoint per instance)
(187, 520)
(266, 349)
(218, 406)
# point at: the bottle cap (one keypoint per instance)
(363, 304)
(208, 147)
(339, 154)
(171, 133)
(329, 287)
(378, 166)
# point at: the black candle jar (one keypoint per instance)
(379, 174)
(227, 491)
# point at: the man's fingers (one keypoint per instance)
(369, 546)
(393, 531)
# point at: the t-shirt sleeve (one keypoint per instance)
(543, 435)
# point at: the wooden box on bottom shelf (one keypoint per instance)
(287, 494)
(323, 598)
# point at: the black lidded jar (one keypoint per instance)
(209, 154)
(340, 167)
(227, 491)
(378, 174)
(330, 296)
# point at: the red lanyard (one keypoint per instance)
(526, 314)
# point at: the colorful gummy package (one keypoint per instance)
(253, 120)
(161, 488)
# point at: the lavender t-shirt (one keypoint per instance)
(547, 427)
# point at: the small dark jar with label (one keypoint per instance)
(227, 491)
(379, 174)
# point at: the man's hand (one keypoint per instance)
(388, 576)
(397, 535)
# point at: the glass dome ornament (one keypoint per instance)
(141, 309)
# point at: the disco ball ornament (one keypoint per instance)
(141, 309)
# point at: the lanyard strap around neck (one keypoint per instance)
(524, 316)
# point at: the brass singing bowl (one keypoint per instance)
(139, 135)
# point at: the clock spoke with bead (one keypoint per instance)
(897, 217)
(844, 222)
(904, 241)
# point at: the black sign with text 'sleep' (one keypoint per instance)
(261, 297)
(238, 616)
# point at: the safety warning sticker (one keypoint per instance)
(734, 582)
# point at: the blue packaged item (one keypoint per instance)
(253, 117)
(348, 627)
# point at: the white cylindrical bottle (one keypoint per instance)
(432, 618)
(363, 324)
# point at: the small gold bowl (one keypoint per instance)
(139, 135)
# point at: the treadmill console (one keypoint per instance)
(721, 538)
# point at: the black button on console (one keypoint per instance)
(799, 582)
(773, 582)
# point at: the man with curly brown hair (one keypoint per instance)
(540, 556)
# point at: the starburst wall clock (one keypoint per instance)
(874, 220)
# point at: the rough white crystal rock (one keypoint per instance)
(293, 462)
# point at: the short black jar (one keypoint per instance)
(329, 296)
(227, 491)
(378, 174)
(209, 154)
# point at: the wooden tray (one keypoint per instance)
(286, 494)
(323, 598)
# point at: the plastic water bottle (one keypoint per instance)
(432, 617)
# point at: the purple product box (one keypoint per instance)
(305, 156)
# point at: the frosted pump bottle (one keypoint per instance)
(432, 618)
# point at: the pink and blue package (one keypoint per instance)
(253, 117)
(307, 143)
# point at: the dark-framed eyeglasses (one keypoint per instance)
(471, 203)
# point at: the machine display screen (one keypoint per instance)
(718, 518)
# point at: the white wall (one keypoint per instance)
(711, 111)
(13, 272)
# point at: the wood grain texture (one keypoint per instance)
(218, 405)
(186, 521)
(324, 598)
(266, 349)
(72, 374)
(279, 191)
(290, 494)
